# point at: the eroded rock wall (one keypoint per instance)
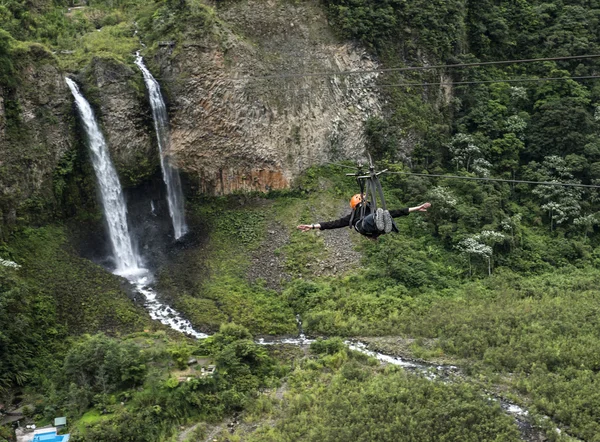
(117, 92)
(241, 116)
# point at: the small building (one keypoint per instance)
(49, 435)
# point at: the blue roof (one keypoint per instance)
(50, 436)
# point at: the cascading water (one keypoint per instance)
(113, 202)
(170, 174)
(127, 262)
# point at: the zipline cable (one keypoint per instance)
(459, 83)
(341, 165)
(543, 183)
(417, 68)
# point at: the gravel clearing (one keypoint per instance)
(269, 266)
(266, 263)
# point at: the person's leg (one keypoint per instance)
(367, 225)
(388, 222)
(379, 219)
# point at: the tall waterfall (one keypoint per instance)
(170, 174)
(128, 263)
(115, 210)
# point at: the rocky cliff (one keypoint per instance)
(36, 133)
(242, 118)
(118, 93)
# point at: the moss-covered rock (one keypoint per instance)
(118, 94)
(35, 133)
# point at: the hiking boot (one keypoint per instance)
(379, 221)
(388, 222)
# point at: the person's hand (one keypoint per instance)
(423, 207)
(305, 227)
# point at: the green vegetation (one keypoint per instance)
(340, 395)
(519, 329)
(501, 279)
(134, 390)
(50, 297)
(210, 284)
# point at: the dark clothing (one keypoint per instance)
(367, 226)
(368, 221)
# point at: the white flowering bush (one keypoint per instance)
(597, 112)
(481, 245)
(517, 125)
(10, 264)
(560, 202)
(471, 246)
(441, 197)
(509, 224)
(463, 150)
(490, 237)
(482, 167)
(518, 93)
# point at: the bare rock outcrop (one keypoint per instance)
(119, 94)
(243, 118)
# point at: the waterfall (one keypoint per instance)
(113, 202)
(128, 263)
(170, 174)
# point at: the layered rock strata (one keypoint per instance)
(243, 119)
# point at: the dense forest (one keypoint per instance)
(499, 279)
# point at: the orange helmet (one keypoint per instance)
(356, 200)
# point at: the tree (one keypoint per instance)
(102, 364)
(464, 151)
(506, 152)
(482, 245)
(561, 202)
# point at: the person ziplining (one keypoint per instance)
(366, 218)
(372, 225)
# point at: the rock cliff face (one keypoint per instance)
(241, 116)
(35, 134)
(118, 93)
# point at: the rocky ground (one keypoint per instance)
(268, 263)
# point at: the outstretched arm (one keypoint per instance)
(403, 212)
(326, 225)
(422, 208)
(306, 227)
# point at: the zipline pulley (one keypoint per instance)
(370, 187)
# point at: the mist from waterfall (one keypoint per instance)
(115, 210)
(170, 174)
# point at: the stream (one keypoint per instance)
(445, 373)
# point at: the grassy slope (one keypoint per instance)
(88, 299)
(53, 297)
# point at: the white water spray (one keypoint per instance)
(170, 174)
(128, 263)
(113, 202)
